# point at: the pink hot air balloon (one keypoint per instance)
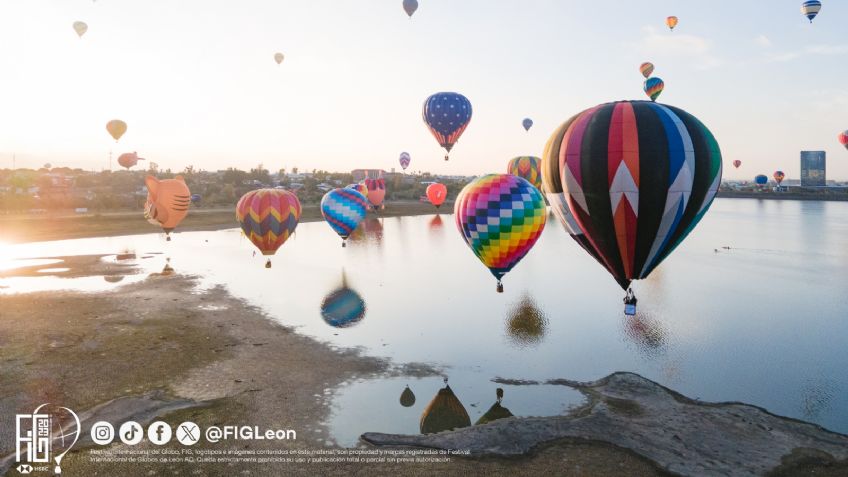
(129, 159)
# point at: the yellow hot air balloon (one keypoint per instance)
(116, 128)
(279, 57)
(80, 28)
(671, 22)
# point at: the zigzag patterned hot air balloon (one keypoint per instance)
(528, 168)
(630, 180)
(343, 209)
(447, 115)
(268, 217)
(646, 69)
(500, 216)
(810, 9)
(404, 160)
(653, 87)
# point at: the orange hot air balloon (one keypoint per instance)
(437, 193)
(671, 22)
(376, 191)
(116, 128)
(167, 202)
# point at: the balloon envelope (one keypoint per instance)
(528, 168)
(437, 193)
(630, 180)
(279, 57)
(778, 176)
(343, 209)
(342, 308)
(376, 191)
(843, 138)
(445, 412)
(810, 9)
(646, 69)
(361, 188)
(116, 128)
(167, 201)
(527, 123)
(129, 159)
(671, 22)
(500, 217)
(268, 217)
(409, 6)
(404, 160)
(80, 28)
(737, 163)
(653, 87)
(447, 115)
(761, 180)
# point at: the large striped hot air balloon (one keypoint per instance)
(653, 87)
(343, 209)
(646, 69)
(447, 115)
(376, 191)
(843, 138)
(167, 202)
(528, 168)
(500, 217)
(437, 193)
(810, 9)
(268, 217)
(630, 180)
(778, 177)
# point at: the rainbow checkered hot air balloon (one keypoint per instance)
(500, 216)
(630, 180)
(268, 217)
(343, 209)
(528, 168)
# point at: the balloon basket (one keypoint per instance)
(167, 238)
(344, 244)
(268, 263)
(630, 309)
(500, 287)
(446, 157)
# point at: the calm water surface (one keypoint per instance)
(763, 322)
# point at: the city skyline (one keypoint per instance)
(197, 83)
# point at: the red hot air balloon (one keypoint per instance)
(843, 138)
(778, 177)
(437, 193)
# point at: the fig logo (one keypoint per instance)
(47, 431)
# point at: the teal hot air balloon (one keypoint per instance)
(343, 209)
(630, 180)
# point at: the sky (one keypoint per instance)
(197, 84)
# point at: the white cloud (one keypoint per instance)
(695, 49)
(826, 50)
(763, 41)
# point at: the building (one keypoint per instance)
(813, 169)
(361, 174)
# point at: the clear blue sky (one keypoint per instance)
(197, 84)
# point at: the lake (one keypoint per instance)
(763, 321)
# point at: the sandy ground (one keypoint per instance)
(234, 364)
(61, 226)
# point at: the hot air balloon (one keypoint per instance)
(843, 138)
(409, 6)
(361, 188)
(195, 198)
(444, 413)
(737, 163)
(376, 191)
(407, 398)
(527, 123)
(653, 87)
(496, 411)
(268, 217)
(761, 180)
(671, 22)
(526, 167)
(80, 28)
(279, 57)
(646, 69)
(129, 159)
(447, 115)
(778, 177)
(116, 128)
(167, 202)
(343, 209)
(500, 216)
(343, 307)
(811, 8)
(437, 193)
(630, 180)
(404, 160)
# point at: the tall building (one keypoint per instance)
(812, 168)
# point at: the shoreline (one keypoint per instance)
(782, 196)
(43, 228)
